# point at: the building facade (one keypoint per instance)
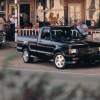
(56, 12)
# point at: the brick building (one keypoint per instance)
(57, 12)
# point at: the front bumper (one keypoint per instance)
(87, 58)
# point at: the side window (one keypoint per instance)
(46, 35)
(57, 35)
(53, 34)
(74, 33)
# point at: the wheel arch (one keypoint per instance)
(25, 47)
(59, 51)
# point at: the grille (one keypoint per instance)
(88, 50)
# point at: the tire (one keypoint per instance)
(59, 61)
(26, 56)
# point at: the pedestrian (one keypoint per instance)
(12, 27)
(82, 28)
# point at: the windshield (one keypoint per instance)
(65, 34)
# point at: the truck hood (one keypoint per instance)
(83, 43)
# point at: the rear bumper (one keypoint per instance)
(90, 58)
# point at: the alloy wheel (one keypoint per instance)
(26, 56)
(60, 61)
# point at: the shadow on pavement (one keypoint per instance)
(75, 66)
(84, 66)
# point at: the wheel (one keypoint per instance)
(60, 61)
(26, 55)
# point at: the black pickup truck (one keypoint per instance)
(63, 45)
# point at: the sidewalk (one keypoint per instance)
(4, 53)
(10, 44)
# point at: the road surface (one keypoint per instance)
(88, 76)
(75, 71)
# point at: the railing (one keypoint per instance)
(27, 32)
(95, 34)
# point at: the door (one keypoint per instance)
(45, 46)
(24, 15)
(74, 12)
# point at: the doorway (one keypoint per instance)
(74, 12)
(24, 15)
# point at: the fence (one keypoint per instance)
(27, 32)
(94, 34)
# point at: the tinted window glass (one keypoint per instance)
(46, 34)
(57, 35)
(60, 34)
(64, 34)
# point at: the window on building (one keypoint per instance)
(93, 11)
(74, 13)
(51, 11)
(56, 13)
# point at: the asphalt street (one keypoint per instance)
(73, 74)
(43, 66)
(88, 76)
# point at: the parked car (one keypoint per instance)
(64, 45)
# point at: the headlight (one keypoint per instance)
(72, 51)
